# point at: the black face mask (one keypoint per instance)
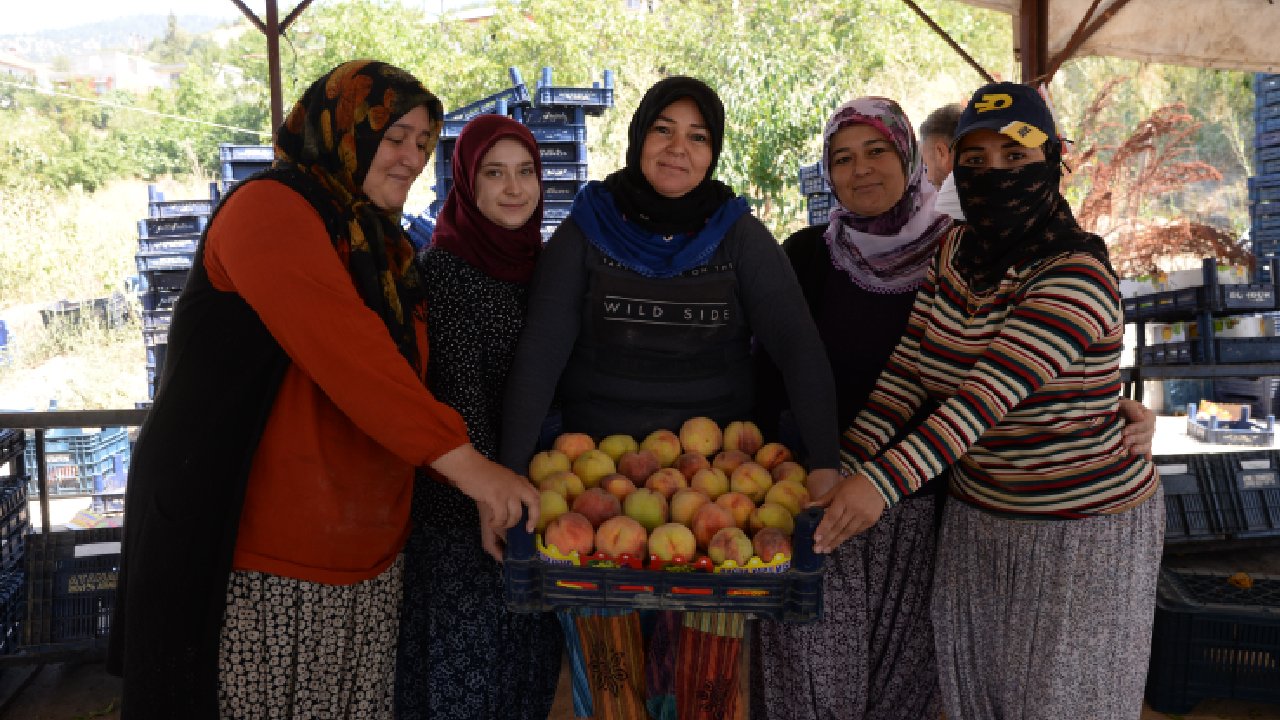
(1016, 216)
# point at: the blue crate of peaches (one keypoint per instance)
(699, 518)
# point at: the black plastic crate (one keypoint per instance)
(228, 153)
(12, 443)
(109, 312)
(1193, 504)
(172, 244)
(164, 227)
(237, 171)
(156, 319)
(13, 603)
(562, 153)
(155, 337)
(1248, 350)
(560, 190)
(534, 585)
(555, 211)
(153, 261)
(1213, 640)
(71, 585)
(165, 279)
(592, 100)
(1252, 480)
(551, 116)
(14, 527)
(565, 171)
(499, 103)
(159, 299)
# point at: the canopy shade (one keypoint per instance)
(1226, 34)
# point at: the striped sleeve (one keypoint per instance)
(1061, 312)
(897, 393)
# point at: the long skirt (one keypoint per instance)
(1046, 619)
(463, 655)
(296, 649)
(871, 655)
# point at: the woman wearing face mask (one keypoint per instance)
(871, 655)
(641, 314)
(1050, 543)
(456, 635)
(270, 487)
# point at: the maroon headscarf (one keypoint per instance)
(502, 254)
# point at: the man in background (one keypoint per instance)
(936, 133)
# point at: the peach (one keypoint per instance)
(751, 480)
(744, 436)
(618, 485)
(553, 506)
(790, 494)
(592, 465)
(772, 515)
(730, 544)
(708, 520)
(690, 463)
(664, 445)
(597, 506)
(685, 503)
(622, 535)
(672, 540)
(615, 446)
(646, 507)
(666, 481)
(573, 444)
(638, 466)
(728, 460)
(563, 482)
(769, 542)
(545, 463)
(711, 481)
(569, 533)
(788, 470)
(771, 455)
(700, 435)
(738, 505)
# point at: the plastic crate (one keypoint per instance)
(819, 217)
(14, 527)
(1213, 640)
(13, 604)
(559, 134)
(563, 152)
(794, 595)
(814, 185)
(171, 244)
(808, 172)
(78, 459)
(1252, 482)
(164, 280)
(555, 211)
(565, 171)
(179, 208)
(548, 229)
(228, 153)
(499, 103)
(12, 443)
(1246, 433)
(1269, 96)
(1269, 139)
(71, 585)
(1266, 112)
(157, 319)
(550, 116)
(109, 312)
(150, 261)
(592, 100)
(158, 299)
(1267, 123)
(237, 171)
(151, 338)
(167, 227)
(1268, 153)
(821, 201)
(1269, 167)
(560, 190)
(1193, 503)
(156, 355)
(1175, 304)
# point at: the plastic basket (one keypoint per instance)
(1245, 434)
(228, 153)
(571, 152)
(165, 227)
(237, 171)
(559, 134)
(178, 208)
(170, 280)
(157, 319)
(78, 459)
(1193, 504)
(148, 261)
(560, 190)
(592, 100)
(12, 443)
(1213, 640)
(159, 299)
(808, 172)
(71, 585)
(1268, 153)
(1252, 480)
(556, 211)
(1267, 123)
(812, 185)
(565, 171)
(498, 103)
(171, 244)
(821, 201)
(794, 595)
(819, 217)
(111, 311)
(550, 116)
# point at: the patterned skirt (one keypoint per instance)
(463, 655)
(871, 655)
(297, 649)
(1046, 619)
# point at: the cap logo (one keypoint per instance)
(998, 101)
(1027, 135)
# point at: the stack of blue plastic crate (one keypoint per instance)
(15, 524)
(240, 161)
(167, 240)
(1264, 189)
(81, 461)
(817, 195)
(556, 116)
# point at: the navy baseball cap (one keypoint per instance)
(1011, 109)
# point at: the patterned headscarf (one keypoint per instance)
(890, 252)
(502, 254)
(330, 138)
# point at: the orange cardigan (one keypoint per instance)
(331, 482)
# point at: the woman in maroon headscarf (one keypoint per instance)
(462, 655)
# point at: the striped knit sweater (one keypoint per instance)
(1027, 378)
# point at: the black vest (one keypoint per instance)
(653, 352)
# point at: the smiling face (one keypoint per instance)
(400, 159)
(866, 171)
(990, 149)
(677, 150)
(506, 185)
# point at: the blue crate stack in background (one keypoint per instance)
(556, 116)
(818, 196)
(15, 524)
(1264, 188)
(81, 461)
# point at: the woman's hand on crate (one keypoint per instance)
(852, 506)
(504, 493)
(1139, 427)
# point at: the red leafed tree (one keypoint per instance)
(1120, 183)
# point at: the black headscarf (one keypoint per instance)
(631, 191)
(1015, 216)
